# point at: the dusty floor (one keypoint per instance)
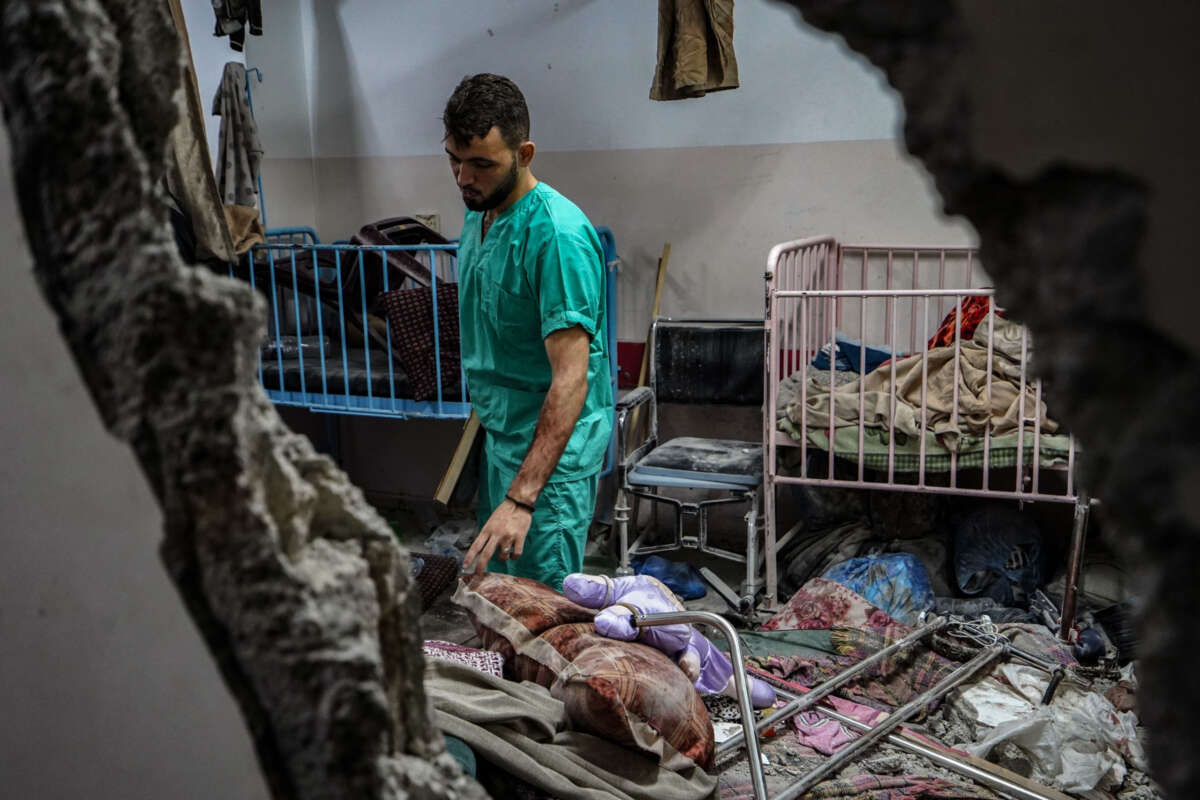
(785, 758)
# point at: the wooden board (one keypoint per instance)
(462, 472)
(646, 354)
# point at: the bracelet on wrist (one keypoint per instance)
(518, 503)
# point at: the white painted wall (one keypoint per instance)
(283, 113)
(106, 688)
(379, 73)
(807, 144)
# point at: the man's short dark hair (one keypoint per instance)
(482, 101)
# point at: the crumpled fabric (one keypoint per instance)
(529, 732)
(895, 787)
(827, 735)
(710, 671)
(888, 685)
(245, 227)
(896, 583)
(822, 604)
(487, 661)
(1078, 743)
(189, 169)
(814, 555)
(695, 49)
(998, 553)
(234, 16)
(931, 374)
(240, 151)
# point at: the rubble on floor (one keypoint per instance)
(1086, 742)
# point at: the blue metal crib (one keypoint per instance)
(325, 352)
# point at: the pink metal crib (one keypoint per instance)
(899, 427)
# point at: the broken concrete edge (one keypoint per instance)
(1063, 248)
(297, 586)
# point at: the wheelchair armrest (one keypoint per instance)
(635, 398)
(638, 397)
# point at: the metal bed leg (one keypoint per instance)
(770, 546)
(741, 684)
(1074, 566)
(621, 521)
(751, 587)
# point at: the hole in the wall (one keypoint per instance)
(1067, 247)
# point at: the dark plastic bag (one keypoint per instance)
(998, 554)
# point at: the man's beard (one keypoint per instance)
(498, 196)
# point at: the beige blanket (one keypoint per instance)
(978, 403)
(695, 49)
(245, 227)
(521, 728)
(189, 169)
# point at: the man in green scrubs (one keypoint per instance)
(532, 318)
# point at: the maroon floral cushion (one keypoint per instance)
(822, 604)
(508, 612)
(624, 691)
(629, 693)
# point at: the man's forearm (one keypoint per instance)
(556, 421)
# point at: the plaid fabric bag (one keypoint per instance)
(410, 312)
(437, 573)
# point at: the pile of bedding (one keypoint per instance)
(909, 398)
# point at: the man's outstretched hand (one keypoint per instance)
(503, 535)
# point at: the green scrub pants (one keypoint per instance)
(558, 533)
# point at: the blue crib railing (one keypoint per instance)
(327, 350)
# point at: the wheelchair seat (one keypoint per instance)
(692, 462)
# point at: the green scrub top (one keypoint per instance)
(540, 269)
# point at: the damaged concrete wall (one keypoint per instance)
(1064, 132)
(297, 586)
(108, 691)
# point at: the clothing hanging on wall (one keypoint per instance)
(695, 49)
(189, 170)
(233, 16)
(240, 150)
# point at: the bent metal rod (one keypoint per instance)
(891, 722)
(740, 682)
(823, 690)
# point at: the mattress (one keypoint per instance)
(1054, 449)
(337, 375)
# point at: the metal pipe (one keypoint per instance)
(789, 480)
(960, 249)
(893, 721)
(1071, 589)
(741, 684)
(882, 292)
(823, 690)
(942, 758)
(950, 762)
(621, 523)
